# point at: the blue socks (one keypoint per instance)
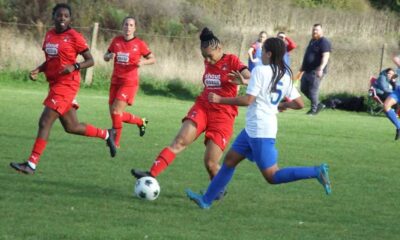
(292, 174)
(393, 118)
(218, 183)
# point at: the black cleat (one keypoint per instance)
(139, 174)
(111, 142)
(23, 167)
(142, 128)
(397, 134)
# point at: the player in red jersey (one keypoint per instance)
(127, 51)
(221, 76)
(62, 45)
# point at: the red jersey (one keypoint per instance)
(61, 49)
(216, 80)
(127, 56)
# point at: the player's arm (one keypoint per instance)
(290, 44)
(296, 104)
(87, 62)
(34, 73)
(240, 78)
(108, 56)
(238, 101)
(147, 60)
(250, 53)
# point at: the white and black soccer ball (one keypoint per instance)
(147, 188)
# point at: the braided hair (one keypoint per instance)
(277, 48)
(208, 39)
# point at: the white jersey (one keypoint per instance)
(261, 121)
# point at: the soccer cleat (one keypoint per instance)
(111, 142)
(197, 198)
(142, 128)
(397, 134)
(220, 195)
(139, 174)
(323, 178)
(23, 167)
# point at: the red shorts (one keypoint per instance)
(60, 103)
(217, 125)
(123, 93)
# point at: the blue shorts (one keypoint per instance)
(262, 151)
(396, 94)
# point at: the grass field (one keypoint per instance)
(78, 192)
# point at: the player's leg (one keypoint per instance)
(212, 156)
(391, 114)
(46, 122)
(266, 155)
(116, 111)
(186, 135)
(72, 125)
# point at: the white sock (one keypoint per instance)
(32, 165)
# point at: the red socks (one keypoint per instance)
(92, 131)
(132, 119)
(117, 125)
(165, 158)
(37, 150)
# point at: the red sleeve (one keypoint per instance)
(80, 43)
(290, 44)
(237, 65)
(111, 46)
(144, 49)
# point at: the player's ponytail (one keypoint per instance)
(277, 48)
(208, 39)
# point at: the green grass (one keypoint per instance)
(78, 192)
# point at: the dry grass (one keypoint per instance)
(357, 40)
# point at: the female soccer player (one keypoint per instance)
(255, 50)
(127, 52)
(61, 46)
(216, 121)
(268, 85)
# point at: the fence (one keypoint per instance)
(353, 60)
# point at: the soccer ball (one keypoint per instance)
(147, 188)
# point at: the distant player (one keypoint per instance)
(393, 99)
(216, 121)
(61, 46)
(129, 53)
(269, 83)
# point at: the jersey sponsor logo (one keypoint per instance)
(212, 80)
(51, 49)
(122, 57)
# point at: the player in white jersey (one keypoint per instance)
(268, 85)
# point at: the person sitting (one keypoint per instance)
(385, 83)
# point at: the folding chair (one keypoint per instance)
(375, 104)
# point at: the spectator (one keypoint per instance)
(314, 66)
(386, 83)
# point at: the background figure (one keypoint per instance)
(385, 84)
(396, 60)
(127, 51)
(290, 45)
(255, 50)
(61, 46)
(314, 66)
(223, 72)
(268, 85)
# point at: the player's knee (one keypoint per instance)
(269, 179)
(212, 167)
(70, 128)
(179, 144)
